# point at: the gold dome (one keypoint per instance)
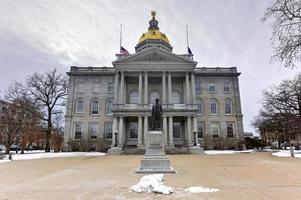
(153, 32)
(153, 35)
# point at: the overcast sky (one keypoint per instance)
(36, 36)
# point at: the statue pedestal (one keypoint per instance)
(155, 159)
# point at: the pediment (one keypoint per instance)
(154, 55)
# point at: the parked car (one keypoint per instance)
(2, 147)
(15, 147)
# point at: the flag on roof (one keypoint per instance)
(189, 51)
(124, 51)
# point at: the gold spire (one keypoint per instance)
(153, 13)
(153, 32)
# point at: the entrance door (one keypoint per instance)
(132, 132)
(178, 131)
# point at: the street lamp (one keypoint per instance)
(194, 134)
(115, 133)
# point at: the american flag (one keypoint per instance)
(124, 51)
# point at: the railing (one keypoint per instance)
(148, 107)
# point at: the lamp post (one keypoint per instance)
(115, 133)
(194, 135)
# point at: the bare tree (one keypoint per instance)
(15, 122)
(46, 91)
(280, 116)
(286, 36)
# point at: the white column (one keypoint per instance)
(114, 127)
(171, 132)
(169, 88)
(140, 88)
(145, 88)
(189, 131)
(145, 128)
(121, 128)
(195, 128)
(187, 88)
(192, 88)
(165, 130)
(163, 88)
(139, 131)
(121, 90)
(116, 87)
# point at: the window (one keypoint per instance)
(94, 107)
(200, 105)
(111, 86)
(230, 130)
(176, 130)
(214, 106)
(79, 107)
(133, 97)
(201, 129)
(93, 130)
(109, 107)
(228, 106)
(211, 88)
(78, 132)
(227, 87)
(214, 130)
(108, 130)
(133, 130)
(176, 98)
(197, 86)
(153, 96)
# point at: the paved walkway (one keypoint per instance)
(243, 176)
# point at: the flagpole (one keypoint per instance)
(187, 36)
(120, 42)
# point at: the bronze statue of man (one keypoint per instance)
(156, 115)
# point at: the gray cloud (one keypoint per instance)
(38, 35)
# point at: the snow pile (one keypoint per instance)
(29, 156)
(201, 189)
(216, 152)
(287, 153)
(152, 183)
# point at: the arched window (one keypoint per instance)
(79, 106)
(228, 106)
(153, 96)
(200, 105)
(94, 107)
(176, 97)
(214, 106)
(133, 97)
(109, 106)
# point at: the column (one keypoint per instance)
(187, 88)
(169, 88)
(140, 88)
(192, 88)
(145, 128)
(171, 132)
(139, 131)
(121, 97)
(120, 141)
(114, 127)
(195, 128)
(165, 130)
(116, 88)
(163, 88)
(145, 88)
(189, 130)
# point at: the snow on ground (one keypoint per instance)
(37, 155)
(215, 152)
(201, 189)
(152, 183)
(287, 153)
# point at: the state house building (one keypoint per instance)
(102, 100)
